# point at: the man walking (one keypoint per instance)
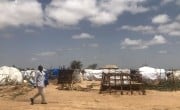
(39, 81)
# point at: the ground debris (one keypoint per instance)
(12, 91)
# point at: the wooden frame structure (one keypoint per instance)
(67, 77)
(122, 82)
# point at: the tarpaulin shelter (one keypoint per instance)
(152, 73)
(10, 75)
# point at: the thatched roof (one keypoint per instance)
(110, 67)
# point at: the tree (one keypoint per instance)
(92, 66)
(76, 64)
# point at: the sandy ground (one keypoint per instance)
(92, 100)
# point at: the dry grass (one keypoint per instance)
(12, 91)
(92, 100)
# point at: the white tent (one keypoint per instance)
(29, 75)
(90, 74)
(152, 73)
(177, 74)
(174, 73)
(10, 74)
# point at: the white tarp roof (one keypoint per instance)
(90, 74)
(116, 71)
(152, 73)
(10, 73)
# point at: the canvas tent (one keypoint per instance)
(152, 73)
(10, 74)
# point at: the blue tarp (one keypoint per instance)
(55, 72)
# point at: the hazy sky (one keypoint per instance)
(129, 33)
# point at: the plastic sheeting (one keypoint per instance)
(55, 72)
(152, 73)
(10, 74)
(175, 73)
(90, 74)
(29, 75)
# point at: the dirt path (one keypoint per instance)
(79, 100)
